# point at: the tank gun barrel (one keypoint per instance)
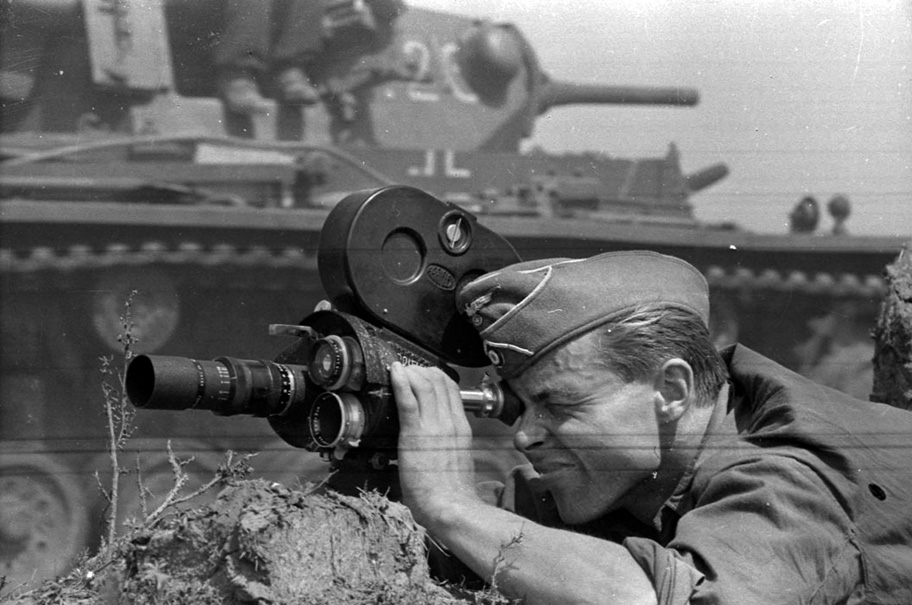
(557, 93)
(701, 179)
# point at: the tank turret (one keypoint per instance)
(500, 69)
(490, 57)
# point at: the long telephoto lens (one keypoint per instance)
(225, 386)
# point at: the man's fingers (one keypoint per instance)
(402, 389)
(442, 394)
(456, 410)
(428, 393)
(418, 391)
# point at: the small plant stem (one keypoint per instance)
(180, 478)
(115, 474)
(117, 410)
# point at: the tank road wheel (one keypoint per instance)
(155, 310)
(43, 519)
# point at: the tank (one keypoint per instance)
(124, 176)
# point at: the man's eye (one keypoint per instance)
(556, 410)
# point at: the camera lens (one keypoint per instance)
(336, 362)
(336, 419)
(328, 362)
(225, 385)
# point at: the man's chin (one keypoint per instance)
(574, 512)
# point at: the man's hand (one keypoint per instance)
(537, 563)
(435, 441)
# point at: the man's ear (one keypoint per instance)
(674, 389)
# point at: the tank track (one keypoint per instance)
(42, 258)
(820, 284)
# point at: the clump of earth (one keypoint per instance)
(264, 543)
(893, 335)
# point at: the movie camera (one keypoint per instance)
(391, 262)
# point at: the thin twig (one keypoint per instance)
(118, 412)
(180, 479)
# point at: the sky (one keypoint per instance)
(797, 97)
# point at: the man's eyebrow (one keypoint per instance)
(553, 393)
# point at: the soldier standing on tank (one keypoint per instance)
(277, 39)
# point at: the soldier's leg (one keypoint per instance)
(242, 53)
(297, 39)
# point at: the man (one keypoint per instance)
(661, 471)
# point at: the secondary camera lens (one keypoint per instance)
(336, 419)
(330, 362)
(336, 362)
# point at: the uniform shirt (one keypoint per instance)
(799, 494)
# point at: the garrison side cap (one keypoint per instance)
(525, 310)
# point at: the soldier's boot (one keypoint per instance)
(241, 95)
(295, 88)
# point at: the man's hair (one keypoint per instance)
(637, 344)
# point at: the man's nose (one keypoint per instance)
(529, 433)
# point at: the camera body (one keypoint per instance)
(346, 362)
(391, 261)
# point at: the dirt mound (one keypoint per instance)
(893, 335)
(264, 543)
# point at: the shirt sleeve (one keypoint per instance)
(673, 578)
(523, 494)
(762, 530)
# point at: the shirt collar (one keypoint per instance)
(678, 504)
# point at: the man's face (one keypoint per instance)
(592, 437)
